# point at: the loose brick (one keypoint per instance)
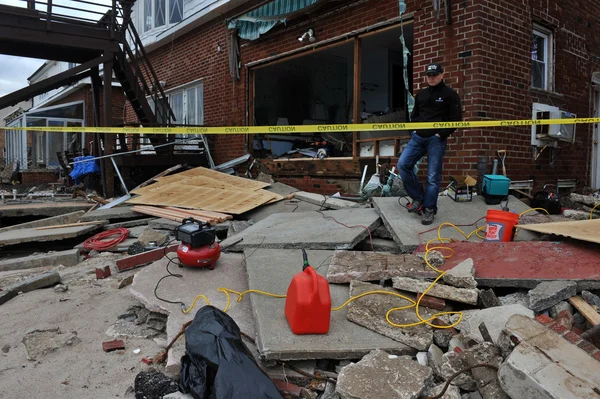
(431, 302)
(545, 320)
(102, 273)
(114, 345)
(596, 355)
(572, 337)
(588, 347)
(559, 328)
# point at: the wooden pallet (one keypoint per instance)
(207, 199)
(178, 214)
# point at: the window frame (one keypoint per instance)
(183, 90)
(548, 59)
(169, 6)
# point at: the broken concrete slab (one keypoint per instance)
(462, 295)
(381, 375)
(150, 235)
(435, 356)
(163, 224)
(41, 342)
(451, 393)
(488, 299)
(64, 258)
(484, 353)
(549, 293)
(545, 365)
(271, 271)
(32, 235)
(325, 201)
(285, 206)
(112, 214)
(68, 218)
(517, 264)
(237, 226)
(130, 223)
(461, 275)
(310, 230)
(228, 272)
(346, 266)
(43, 209)
(494, 318)
(405, 226)
(41, 281)
(516, 298)
(378, 245)
(382, 232)
(370, 312)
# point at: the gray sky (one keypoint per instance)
(14, 72)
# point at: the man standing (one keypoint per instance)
(436, 103)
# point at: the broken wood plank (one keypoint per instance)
(61, 226)
(161, 174)
(144, 258)
(171, 215)
(585, 309)
(212, 199)
(207, 214)
(585, 230)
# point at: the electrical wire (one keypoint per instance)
(103, 241)
(592, 211)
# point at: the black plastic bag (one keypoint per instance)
(217, 364)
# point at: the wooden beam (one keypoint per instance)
(356, 96)
(586, 310)
(62, 226)
(109, 139)
(64, 78)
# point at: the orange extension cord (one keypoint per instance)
(103, 241)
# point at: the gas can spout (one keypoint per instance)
(305, 259)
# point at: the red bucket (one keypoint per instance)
(500, 225)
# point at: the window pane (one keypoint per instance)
(147, 15)
(200, 100)
(538, 52)
(191, 106)
(176, 102)
(538, 77)
(159, 13)
(176, 11)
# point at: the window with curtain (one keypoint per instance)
(188, 104)
(159, 13)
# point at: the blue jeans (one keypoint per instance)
(417, 147)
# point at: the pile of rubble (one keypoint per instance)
(502, 320)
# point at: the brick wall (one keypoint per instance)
(38, 176)
(486, 51)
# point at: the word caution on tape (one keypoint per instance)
(362, 127)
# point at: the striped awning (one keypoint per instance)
(257, 22)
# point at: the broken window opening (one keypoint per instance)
(317, 88)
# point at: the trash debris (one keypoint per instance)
(218, 362)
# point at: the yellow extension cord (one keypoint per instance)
(592, 211)
(411, 304)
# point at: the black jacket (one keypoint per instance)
(437, 103)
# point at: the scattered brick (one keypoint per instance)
(577, 331)
(144, 258)
(545, 320)
(431, 302)
(102, 273)
(288, 389)
(588, 347)
(113, 345)
(596, 355)
(572, 337)
(147, 360)
(559, 328)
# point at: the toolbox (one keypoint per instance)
(495, 188)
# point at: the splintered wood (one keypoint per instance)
(179, 215)
(205, 189)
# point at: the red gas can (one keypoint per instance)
(308, 302)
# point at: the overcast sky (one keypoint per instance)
(14, 72)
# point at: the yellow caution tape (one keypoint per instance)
(362, 127)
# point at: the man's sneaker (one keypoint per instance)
(415, 207)
(428, 215)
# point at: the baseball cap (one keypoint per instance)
(434, 69)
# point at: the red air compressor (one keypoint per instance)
(308, 302)
(198, 247)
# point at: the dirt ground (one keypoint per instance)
(82, 369)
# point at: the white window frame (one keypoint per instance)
(184, 91)
(547, 35)
(169, 5)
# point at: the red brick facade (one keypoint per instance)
(486, 52)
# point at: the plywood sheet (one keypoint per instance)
(211, 199)
(585, 230)
(239, 182)
(198, 181)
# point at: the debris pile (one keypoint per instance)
(414, 314)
